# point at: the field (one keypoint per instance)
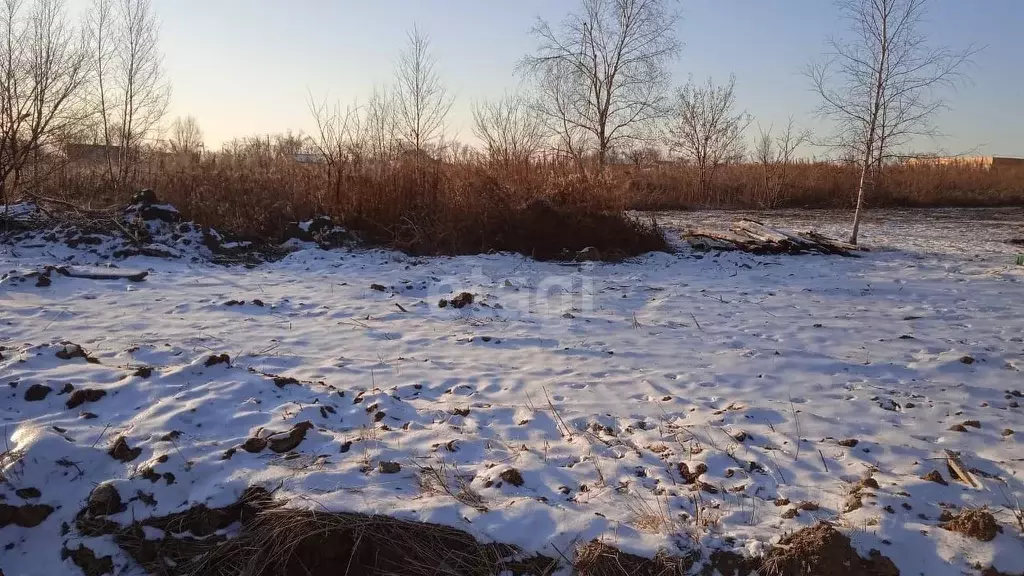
(673, 401)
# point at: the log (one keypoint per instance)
(760, 231)
(830, 242)
(103, 273)
(718, 235)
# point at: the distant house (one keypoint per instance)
(986, 162)
(91, 152)
(309, 158)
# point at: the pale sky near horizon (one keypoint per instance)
(244, 67)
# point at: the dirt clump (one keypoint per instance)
(688, 476)
(71, 351)
(28, 493)
(291, 440)
(935, 476)
(103, 500)
(121, 451)
(976, 523)
(37, 393)
(513, 477)
(26, 516)
(389, 467)
(79, 397)
(821, 550)
(215, 359)
(462, 300)
(254, 445)
(85, 558)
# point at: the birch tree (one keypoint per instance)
(882, 85)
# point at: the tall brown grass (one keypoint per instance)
(826, 185)
(416, 205)
(470, 205)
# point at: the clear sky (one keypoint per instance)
(247, 66)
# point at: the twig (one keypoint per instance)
(796, 420)
(401, 308)
(100, 437)
(568, 431)
(771, 454)
(823, 463)
(695, 322)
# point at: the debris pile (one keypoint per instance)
(756, 238)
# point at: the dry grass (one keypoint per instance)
(419, 207)
(293, 542)
(828, 185)
(468, 205)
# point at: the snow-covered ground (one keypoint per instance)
(608, 387)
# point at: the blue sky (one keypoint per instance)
(247, 66)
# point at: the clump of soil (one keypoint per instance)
(389, 467)
(85, 558)
(71, 351)
(143, 372)
(821, 550)
(37, 393)
(849, 442)
(935, 476)
(254, 445)
(28, 493)
(103, 500)
(217, 359)
(978, 524)
(79, 397)
(688, 476)
(121, 451)
(291, 440)
(461, 301)
(26, 516)
(513, 477)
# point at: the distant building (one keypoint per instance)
(91, 152)
(987, 162)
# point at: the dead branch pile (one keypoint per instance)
(756, 238)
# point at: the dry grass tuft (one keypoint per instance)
(304, 543)
(596, 558)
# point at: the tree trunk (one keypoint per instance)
(860, 196)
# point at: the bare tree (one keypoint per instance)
(775, 154)
(420, 99)
(882, 85)
(336, 138)
(509, 128)
(186, 135)
(604, 72)
(380, 126)
(131, 92)
(705, 128)
(42, 68)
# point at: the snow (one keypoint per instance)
(603, 376)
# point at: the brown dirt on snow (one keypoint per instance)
(275, 541)
(978, 524)
(822, 550)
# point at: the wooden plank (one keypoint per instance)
(724, 236)
(760, 231)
